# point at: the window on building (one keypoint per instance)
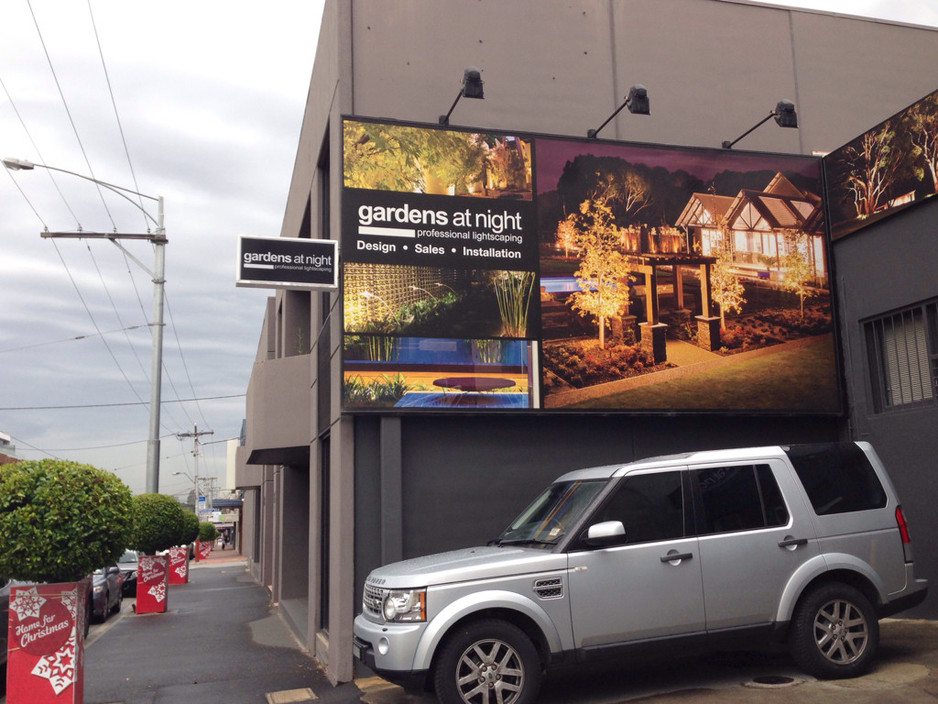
(903, 354)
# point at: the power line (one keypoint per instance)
(71, 339)
(112, 405)
(68, 112)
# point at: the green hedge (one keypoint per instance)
(60, 520)
(158, 523)
(191, 528)
(207, 532)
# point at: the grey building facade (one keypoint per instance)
(331, 494)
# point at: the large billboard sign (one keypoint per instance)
(511, 272)
(888, 167)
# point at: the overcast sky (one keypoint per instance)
(210, 96)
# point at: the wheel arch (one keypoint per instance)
(852, 572)
(507, 606)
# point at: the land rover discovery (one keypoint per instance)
(806, 544)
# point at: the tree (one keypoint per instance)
(725, 287)
(604, 270)
(207, 531)
(402, 158)
(921, 124)
(798, 270)
(60, 520)
(870, 164)
(191, 528)
(158, 523)
(566, 235)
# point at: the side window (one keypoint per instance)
(650, 506)
(738, 497)
(838, 478)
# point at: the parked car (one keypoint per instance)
(804, 544)
(128, 568)
(106, 592)
(4, 616)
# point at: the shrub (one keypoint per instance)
(158, 523)
(191, 528)
(207, 532)
(60, 520)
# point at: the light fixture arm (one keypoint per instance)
(637, 103)
(729, 145)
(444, 119)
(784, 114)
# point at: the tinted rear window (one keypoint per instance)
(838, 478)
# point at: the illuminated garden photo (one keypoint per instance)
(675, 279)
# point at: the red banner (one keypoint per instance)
(179, 565)
(152, 578)
(46, 643)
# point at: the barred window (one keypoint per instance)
(903, 354)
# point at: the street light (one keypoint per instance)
(195, 490)
(158, 238)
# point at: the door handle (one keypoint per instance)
(792, 542)
(675, 556)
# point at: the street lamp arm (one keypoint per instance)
(23, 165)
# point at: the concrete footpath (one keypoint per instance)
(220, 642)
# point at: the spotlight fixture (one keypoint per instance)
(637, 103)
(471, 88)
(784, 114)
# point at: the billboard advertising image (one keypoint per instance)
(497, 271)
(889, 167)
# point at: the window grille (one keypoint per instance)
(903, 354)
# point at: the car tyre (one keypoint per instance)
(487, 661)
(117, 604)
(834, 632)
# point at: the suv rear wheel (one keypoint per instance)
(488, 661)
(834, 632)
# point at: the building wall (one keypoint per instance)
(880, 269)
(390, 487)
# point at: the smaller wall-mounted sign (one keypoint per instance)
(287, 262)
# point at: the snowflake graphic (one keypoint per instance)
(26, 603)
(181, 570)
(70, 601)
(58, 668)
(151, 568)
(157, 591)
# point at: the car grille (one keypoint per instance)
(372, 600)
(549, 588)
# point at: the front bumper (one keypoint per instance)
(388, 649)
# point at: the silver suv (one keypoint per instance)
(804, 543)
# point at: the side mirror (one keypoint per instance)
(605, 534)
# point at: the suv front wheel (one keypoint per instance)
(488, 661)
(834, 632)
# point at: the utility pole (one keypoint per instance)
(158, 239)
(195, 455)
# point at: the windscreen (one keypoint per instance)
(552, 513)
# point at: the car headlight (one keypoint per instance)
(405, 605)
